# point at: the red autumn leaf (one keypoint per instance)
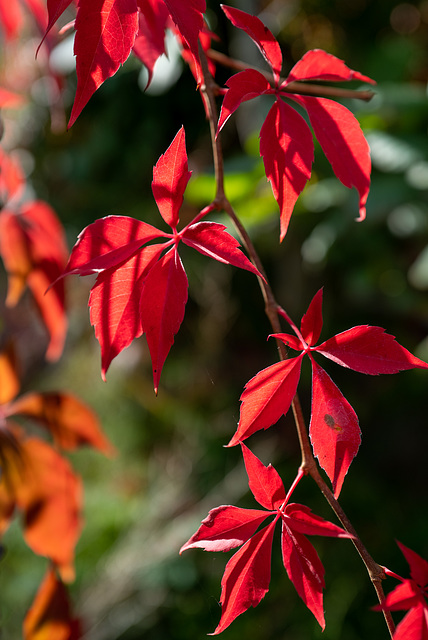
(245, 85)
(149, 44)
(105, 34)
(247, 574)
(9, 380)
(267, 397)
(343, 142)
(10, 99)
(114, 304)
(260, 34)
(170, 178)
(50, 613)
(11, 18)
(212, 240)
(225, 528)
(410, 594)
(288, 151)
(320, 65)
(334, 430)
(264, 482)
(305, 570)
(189, 19)
(312, 321)
(71, 423)
(300, 519)
(163, 299)
(414, 625)
(55, 9)
(107, 242)
(418, 565)
(49, 494)
(246, 577)
(369, 350)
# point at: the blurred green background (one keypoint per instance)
(171, 466)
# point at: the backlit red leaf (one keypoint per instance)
(149, 44)
(267, 397)
(212, 240)
(418, 565)
(343, 142)
(50, 613)
(312, 322)
(414, 626)
(225, 528)
(264, 482)
(260, 34)
(11, 18)
(115, 303)
(105, 34)
(170, 178)
(405, 596)
(300, 519)
(188, 16)
(369, 350)
(55, 9)
(71, 423)
(305, 570)
(319, 65)
(287, 148)
(163, 299)
(107, 242)
(243, 86)
(334, 430)
(246, 577)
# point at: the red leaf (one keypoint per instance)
(267, 397)
(11, 18)
(243, 86)
(188, 16)
(50, 614)
(334, 430)
(107, 242)
(225, 528)
(163, 299)
(149, 44)
(170, 178)
(319, 65)
(311, 324)
(414, 626)
(405, 596)
(264, 482)
(305, 570)
(212, 240)
(115, 304)
(289, 340)
(105, 34)
(288, 151)
(418, 565)
(246, 577)
(369, 350)
(340, 136)
(71, 423)
(300, 519)
(260, 34)
(55, 9)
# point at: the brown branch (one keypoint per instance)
(308, 463)
(304, 88)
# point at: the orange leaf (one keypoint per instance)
(9, 381)
(49, 617)
(70, 422)
(50, 496)
(15, 251)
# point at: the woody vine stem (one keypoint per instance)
(308, 464)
